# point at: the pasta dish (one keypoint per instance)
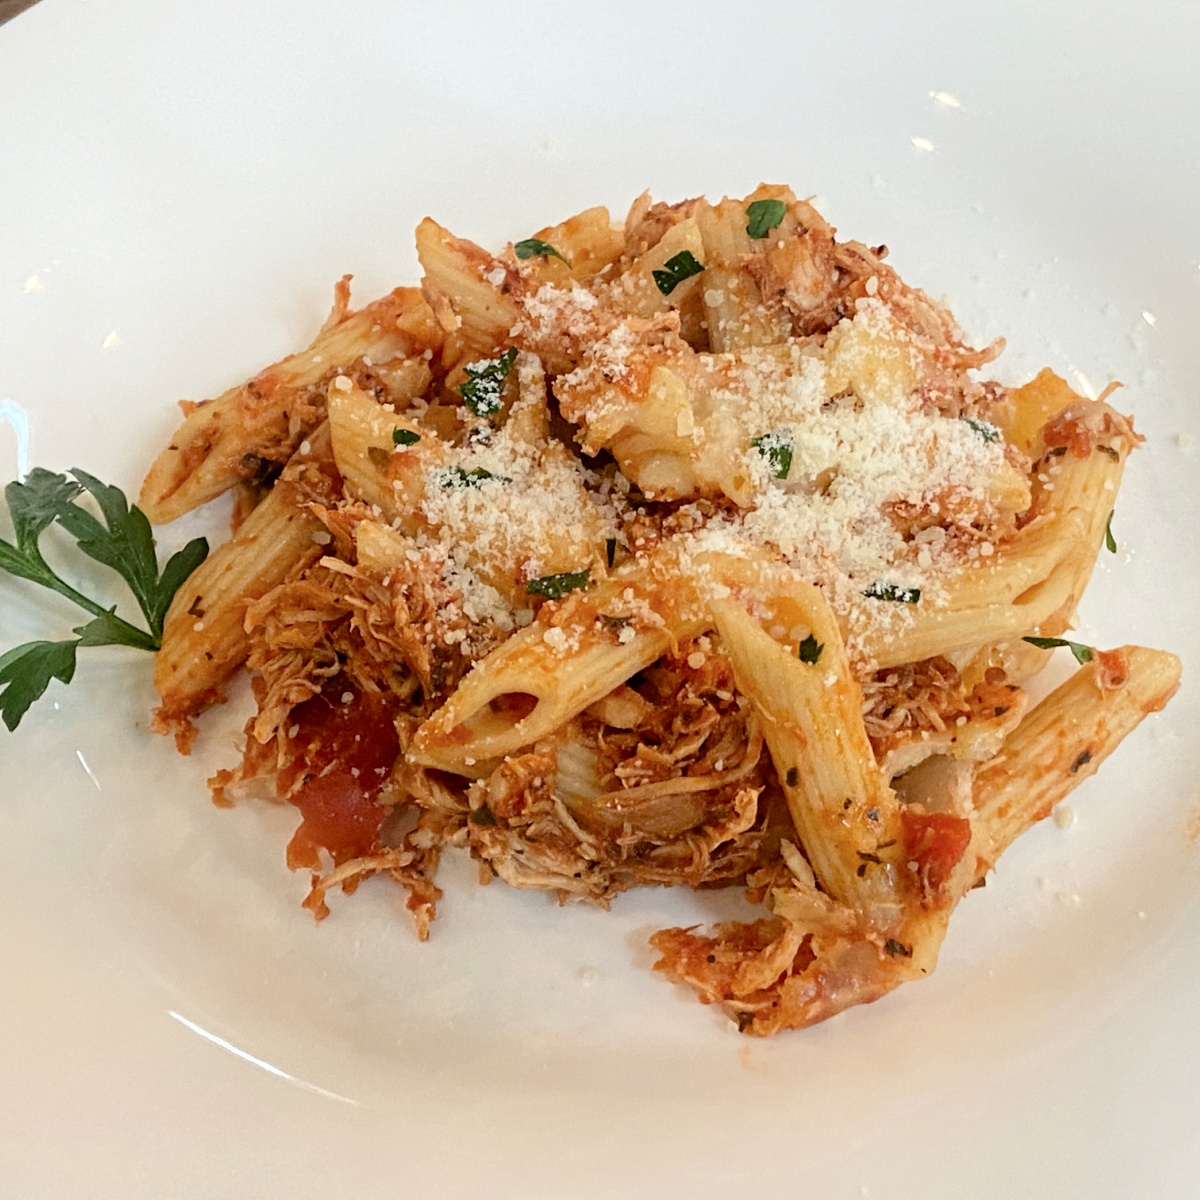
(693, 549)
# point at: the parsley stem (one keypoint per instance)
(55, 584)
(136, 637)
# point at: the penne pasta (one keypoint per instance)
(1064, 740)
(204, 635)
(250, 431)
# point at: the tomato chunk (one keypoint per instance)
(936, 842)
(345, 747)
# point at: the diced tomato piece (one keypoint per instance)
(345, 748)
(936, 842)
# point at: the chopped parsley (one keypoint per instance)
(482, 816)
(763, 215)
(1110, 542)
(810, 650)
(610, 550)
(120, 540)
(985, 429)
(1083, 654)
(675, 270)
(405, 437)
(485, 382)
(456, 477)
(555, 587)
(893, 591)
(536, 248)
(776, 448)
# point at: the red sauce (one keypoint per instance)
(343, 754)
(1112, 668)
(936, 842)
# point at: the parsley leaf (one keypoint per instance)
(776, 448)
(1083, 654)
(675, 270)
(1110, 542)
(536, 248)
(456, 477)
(121, 540)
(893, 591)
(485, 382)
(555, 587)
(810, 650)
(179, 566)
(124, 543)
(985, 429)
(405, 437)
(763, 215)
(25, 673)
(35, 503)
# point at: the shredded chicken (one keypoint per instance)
(676, 795)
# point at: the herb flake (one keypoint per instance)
(894, 592)
(762, 216)
(810, 650)
(482, 389)
(985, 429)
(555, 587)
(405, 437)
(536, 248)
(1082, 653)
(675, 270)
(777, 449)
(456, 477)
(1110, 542)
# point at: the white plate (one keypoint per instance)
(179, 187)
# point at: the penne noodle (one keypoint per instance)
(1063, 741)
(544, 675)
(204, 636)
(847, 817)
(252, 429)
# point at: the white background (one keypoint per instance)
(185, 183)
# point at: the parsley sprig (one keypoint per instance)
(120, 539)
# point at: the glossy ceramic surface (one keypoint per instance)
(180, 185)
